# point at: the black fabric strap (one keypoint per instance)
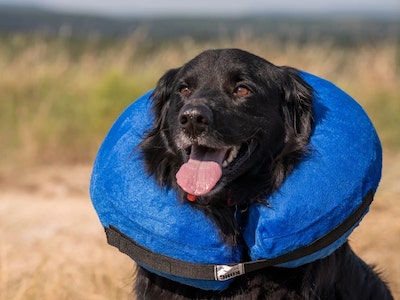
(176, 267)
(156, 261)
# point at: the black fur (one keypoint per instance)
(234, 98)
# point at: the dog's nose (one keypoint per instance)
(195, 119)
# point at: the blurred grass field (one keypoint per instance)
(58, 98)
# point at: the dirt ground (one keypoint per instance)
(53, 247)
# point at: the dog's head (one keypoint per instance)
(227, 122)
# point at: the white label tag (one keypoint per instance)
(225, 272)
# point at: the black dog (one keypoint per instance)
(229, 127)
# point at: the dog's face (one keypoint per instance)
(222, 123)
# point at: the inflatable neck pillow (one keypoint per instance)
(309, 217)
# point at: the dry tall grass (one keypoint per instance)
(59, 97)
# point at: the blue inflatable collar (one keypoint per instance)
(315, 210)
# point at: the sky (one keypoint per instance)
(211, 7)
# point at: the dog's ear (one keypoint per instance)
(161, 96)
(297, 111)
(158, 154)
(298, 97)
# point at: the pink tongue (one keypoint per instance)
(203, 170)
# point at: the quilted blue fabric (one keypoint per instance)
(325, 188)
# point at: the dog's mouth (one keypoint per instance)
(205, 166)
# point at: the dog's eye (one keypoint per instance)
(241, 91)
(185, 91)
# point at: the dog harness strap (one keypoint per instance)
(176, 267)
